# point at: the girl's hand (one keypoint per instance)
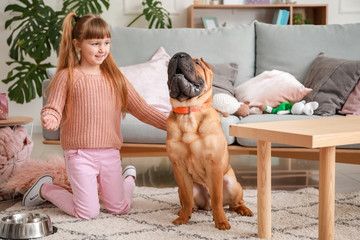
(49, 122)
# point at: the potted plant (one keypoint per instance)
(36, 34)
(155, 14)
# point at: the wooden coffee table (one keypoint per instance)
(323, 133)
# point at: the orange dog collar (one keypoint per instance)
(185, 110)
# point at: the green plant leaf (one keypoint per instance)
(82, 7)
(26, 80)
(155, 14)
(31, 35)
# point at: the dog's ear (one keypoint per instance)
(206, 64)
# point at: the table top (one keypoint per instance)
(310, 133)
(15, 120)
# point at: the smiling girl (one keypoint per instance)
(88, 96)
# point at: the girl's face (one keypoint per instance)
(93, 51)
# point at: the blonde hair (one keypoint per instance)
(89, 26)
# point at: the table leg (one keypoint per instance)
(264, 189)
(326, 193)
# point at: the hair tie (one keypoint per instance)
(76, 18)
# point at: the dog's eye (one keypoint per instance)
(197, 62)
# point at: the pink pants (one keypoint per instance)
(85, 169)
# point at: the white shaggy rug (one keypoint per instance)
(294, 216)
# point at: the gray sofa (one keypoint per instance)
(255, 47)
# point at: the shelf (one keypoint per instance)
(263, 13)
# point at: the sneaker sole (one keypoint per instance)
(33, 186)
(129, 171)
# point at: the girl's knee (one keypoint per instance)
(123, 209)
(87, 213)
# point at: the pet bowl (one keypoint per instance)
(25, 226)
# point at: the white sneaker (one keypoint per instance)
(32, 197)
(129, 171)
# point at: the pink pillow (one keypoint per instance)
(271, 88)
(150, 80)
(352, 104)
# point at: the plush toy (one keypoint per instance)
(226, 105)
(297, 108)
(283, 108)
(303, 107)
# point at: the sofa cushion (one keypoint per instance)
(225, 75)
(225, 124)
(332, 80)
(292, 48)
(219, 45)
(271, 88)
(135, 131)
(150, 80)
(352, 104)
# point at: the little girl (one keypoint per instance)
(88, 96)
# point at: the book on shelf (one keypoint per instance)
(285, 17)
(281, 17)
(277, 17)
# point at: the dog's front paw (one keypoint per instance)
(181, 220)
(244, 211)
(184, 216)
(222, 225)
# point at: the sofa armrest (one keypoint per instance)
(48, 135)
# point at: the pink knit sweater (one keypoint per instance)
(94, 121)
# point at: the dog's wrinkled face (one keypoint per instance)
(187, 77)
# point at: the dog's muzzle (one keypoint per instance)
(183, 81)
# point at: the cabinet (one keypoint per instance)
(235, 14)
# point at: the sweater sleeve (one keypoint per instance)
(57, 97)
(143, 111)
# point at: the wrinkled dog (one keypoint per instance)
(197, 146)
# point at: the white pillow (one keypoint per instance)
(271, 88)
(150, 80)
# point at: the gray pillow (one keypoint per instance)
(332, 80)
(225, 75)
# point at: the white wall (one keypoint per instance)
(121, 12)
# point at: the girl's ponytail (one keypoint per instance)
(67, 59)
(67, 55)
